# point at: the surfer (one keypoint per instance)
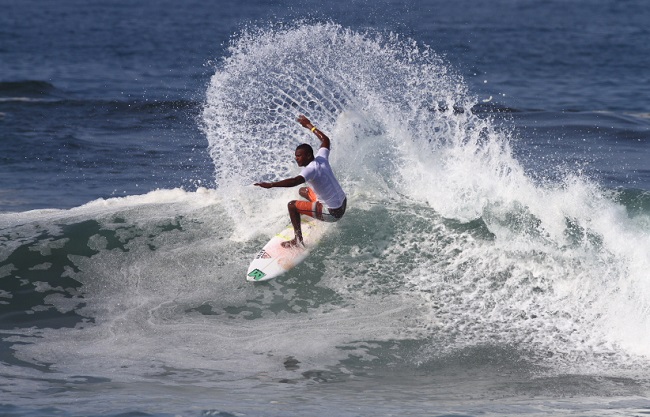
(326, 200)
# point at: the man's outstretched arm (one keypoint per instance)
(289, 182)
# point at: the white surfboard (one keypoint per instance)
(274, 260)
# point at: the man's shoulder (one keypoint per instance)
(324, 152)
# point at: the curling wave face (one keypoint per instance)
(498, 257)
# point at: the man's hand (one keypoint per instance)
(324, 140)
(264, 184)
(305, 121)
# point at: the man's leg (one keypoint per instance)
(294, 215)
(312, 208)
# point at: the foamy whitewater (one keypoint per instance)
(454, 275)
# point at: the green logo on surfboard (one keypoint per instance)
(256, 274)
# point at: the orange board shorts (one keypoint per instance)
(314, 208)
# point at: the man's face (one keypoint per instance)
(302, 157)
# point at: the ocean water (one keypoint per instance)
(493, 260)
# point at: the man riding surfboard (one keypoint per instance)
(326, 200)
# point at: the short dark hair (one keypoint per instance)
(306, 147)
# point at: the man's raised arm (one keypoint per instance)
(324, 140)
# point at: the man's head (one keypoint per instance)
(304, 154)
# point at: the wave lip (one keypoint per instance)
(354, 85)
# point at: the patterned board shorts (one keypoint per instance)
(314, 208)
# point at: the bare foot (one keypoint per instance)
(292, 243)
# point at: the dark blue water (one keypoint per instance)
(494, 259)
(101, 100)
